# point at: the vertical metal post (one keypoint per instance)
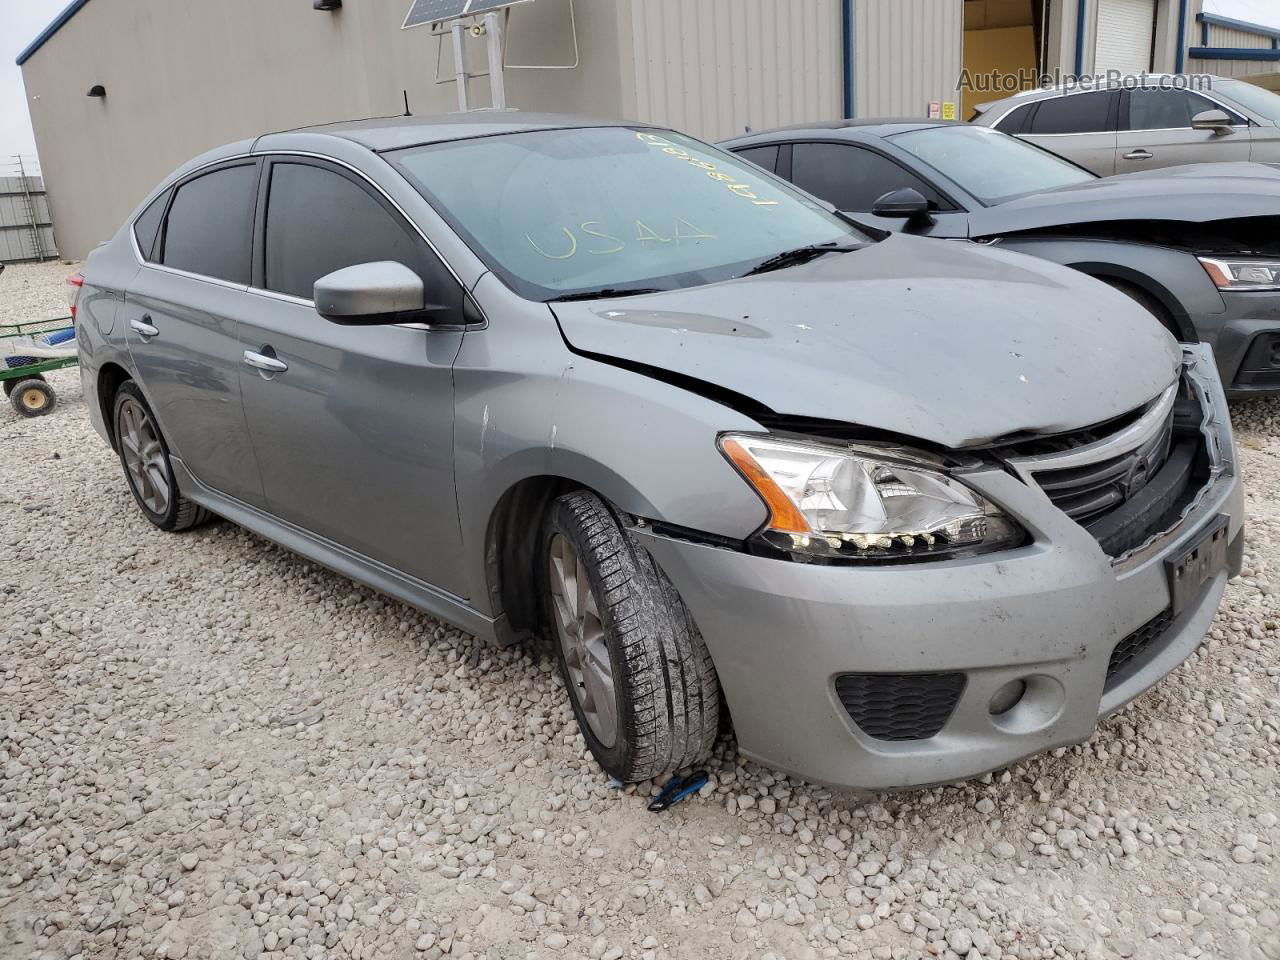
(460, 63)
(497, 82)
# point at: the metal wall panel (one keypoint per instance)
(1234, 39)
(907, 53)
(19, 200)
(714, 67)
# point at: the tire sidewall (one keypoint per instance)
(618, 757)
(168, 520)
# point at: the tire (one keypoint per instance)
(1148, 303)
(9, 385)
(33, 397)
(663, 692)
(144, 457)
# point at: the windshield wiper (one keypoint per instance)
(793, 258)
(604, 294)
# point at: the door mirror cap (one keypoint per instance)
(1216, 120)
(905, 204)
(371, 294)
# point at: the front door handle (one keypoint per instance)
(144, 327)
(1139, 154)
(260, 361)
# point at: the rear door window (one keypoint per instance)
(851, 177)
(1079, 113)
(209, 230)
(318, 221)
(766, 157)
(1155, 109)
(147, 227)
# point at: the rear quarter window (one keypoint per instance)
(146, 228)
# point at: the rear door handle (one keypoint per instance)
(144, 327)
(1139, 155)
(260, 361)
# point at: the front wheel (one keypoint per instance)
(640, 679)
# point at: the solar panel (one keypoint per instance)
(425, 12)
(434, 11)
(484, 6)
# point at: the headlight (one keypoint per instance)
(865, 503)
(1243, 274)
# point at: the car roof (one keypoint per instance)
(391, 133)
(1040, 93)
(855, 129)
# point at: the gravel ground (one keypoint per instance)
(212, 748)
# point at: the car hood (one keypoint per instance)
(934, 339)
(1196, 193)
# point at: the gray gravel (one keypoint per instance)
(211, 748)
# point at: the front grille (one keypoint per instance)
(1137, 649)
(1086, 492)
(1127, 480)
(900, 706)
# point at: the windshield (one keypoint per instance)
(992, 166)
(558, 212)
(1264, 103)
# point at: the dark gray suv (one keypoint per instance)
(909, 509)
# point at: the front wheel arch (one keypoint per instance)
(1148, 293)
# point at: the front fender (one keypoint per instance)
(527, 407)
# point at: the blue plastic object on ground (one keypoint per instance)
(677, 790)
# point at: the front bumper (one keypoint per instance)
(1050, 613)
(1246, 341)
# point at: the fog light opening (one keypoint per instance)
(1007, 697)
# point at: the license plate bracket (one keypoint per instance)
(1191, 568)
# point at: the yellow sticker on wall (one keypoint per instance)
(949, 110)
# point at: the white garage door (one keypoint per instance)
(1125, 31)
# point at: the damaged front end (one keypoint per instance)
(1134, 482)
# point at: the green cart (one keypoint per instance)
(27, 352)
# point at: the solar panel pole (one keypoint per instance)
(497, 82)
(460, 64)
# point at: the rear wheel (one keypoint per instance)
(9, 385)
(144, 455)
(640, 679)
(33, 397)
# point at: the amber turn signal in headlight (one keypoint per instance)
(859, 502)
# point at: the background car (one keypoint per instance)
(1198, 246)
(1164, 122)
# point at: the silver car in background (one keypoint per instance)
(909, 509)
(1163, 121)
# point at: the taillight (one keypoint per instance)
(75, 283)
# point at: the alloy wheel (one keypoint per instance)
(143, 454)
(582, 640)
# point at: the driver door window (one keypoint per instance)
(1155, 132)
(851, 177)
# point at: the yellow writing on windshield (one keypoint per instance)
(597, 241)
(715, 173)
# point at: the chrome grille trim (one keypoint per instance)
(1141, 431)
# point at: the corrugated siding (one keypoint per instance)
(17, 241)
(1236, 39)
(1241, 69)
(714, 67)
(908, 53)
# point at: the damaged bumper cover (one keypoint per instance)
(886, 677)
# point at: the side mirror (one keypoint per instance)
(370, 294)
(905, 204)
(1215, 120)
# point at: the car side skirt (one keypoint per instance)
(378, 576)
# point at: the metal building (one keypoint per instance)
(123, 91)
(26, 228)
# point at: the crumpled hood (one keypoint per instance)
(934, 339)
(1195, 193)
